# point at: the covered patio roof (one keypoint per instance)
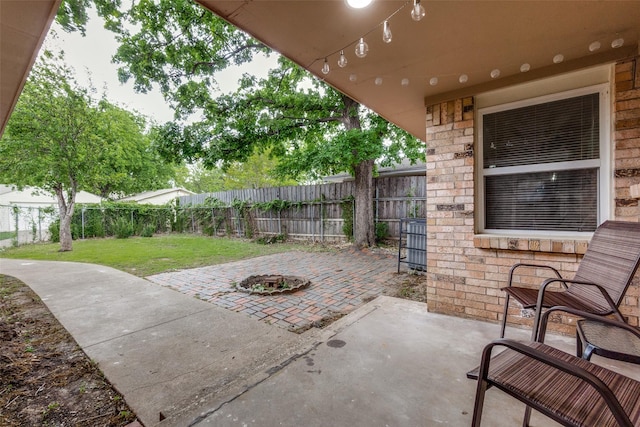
(455, 38)
(425, 61)
(23, 28)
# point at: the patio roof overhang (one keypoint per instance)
(454, 38)
(23, 28)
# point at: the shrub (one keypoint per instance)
(54, 231)
(122, 228)
(382, 231)
(148, 230)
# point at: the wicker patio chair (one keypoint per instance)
(603, 277)
(568, 389)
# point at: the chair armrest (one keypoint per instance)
(572, 369)
(524, 264)
(603, 291)
(545, 318)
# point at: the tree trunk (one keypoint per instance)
(364, 224)
(66, 208)
(363, 227)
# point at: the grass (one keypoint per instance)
(7, 235)
(146, 256)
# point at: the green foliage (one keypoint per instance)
(382, 231)
(312, 129)
(243, 208)
(54, 231)
(7, 235)
(347, 216)
(275, 205)
(148, 230)
(63, 141)
(122, 228)
(269, 240)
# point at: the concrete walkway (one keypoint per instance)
(173, 356)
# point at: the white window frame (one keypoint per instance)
(603, 163)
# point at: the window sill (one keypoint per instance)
(565, 245)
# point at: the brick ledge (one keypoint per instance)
(566, 245)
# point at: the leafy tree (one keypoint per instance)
(311, 127)
(196, 178)
(258, 171)
(129, 161)
(60, 140)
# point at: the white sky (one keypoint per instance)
(91, 55)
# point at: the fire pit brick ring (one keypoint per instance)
(270, 284)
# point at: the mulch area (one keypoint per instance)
(46, 378)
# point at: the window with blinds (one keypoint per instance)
(541, 166)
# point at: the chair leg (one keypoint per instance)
(504, 316)
(536, 324)
(588, 352)
(479, 402)
(527, 417)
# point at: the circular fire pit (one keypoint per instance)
(272, 284)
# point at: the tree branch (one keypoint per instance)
(225, 57)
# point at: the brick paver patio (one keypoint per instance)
(340, 282)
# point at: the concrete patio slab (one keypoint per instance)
(388, 363)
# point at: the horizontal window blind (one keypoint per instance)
(558, 131)
(556, 201)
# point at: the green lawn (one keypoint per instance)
(144, 256)
(7, 235)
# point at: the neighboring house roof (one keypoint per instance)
(405, 168)
(158, 197)
(9, 195)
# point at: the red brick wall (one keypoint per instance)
(466, 271)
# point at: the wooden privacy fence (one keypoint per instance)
(321, 212)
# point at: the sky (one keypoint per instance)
(91, 55)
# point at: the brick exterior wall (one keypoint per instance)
(465, 271)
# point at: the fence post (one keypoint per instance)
(82, 216)
(40, 224)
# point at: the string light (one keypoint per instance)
(417, 12)
(617, 43)
(386, 33)
(362, 48)
(325, 67)
(342, 61)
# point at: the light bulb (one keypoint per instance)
(353, 77)
(358, 4)
(325, 67)
(558, 58)
(433, 81)
(404, 82)
(617, 43)
(378, 81)
(525, 67)
(594, 46)
(495, 73)
(362, 48)
(386, 32)
(463, 78)
(342, 61)
(417, 11)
